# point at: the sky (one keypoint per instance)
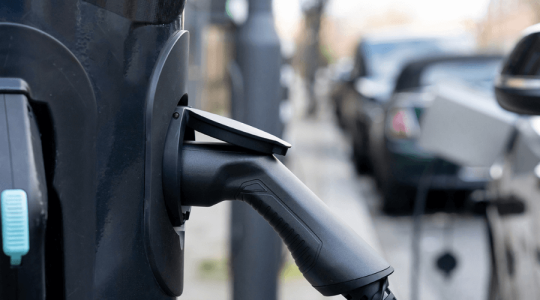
(422, 10)
(288, 12)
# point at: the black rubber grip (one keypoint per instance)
(299, 239)
(330, 255)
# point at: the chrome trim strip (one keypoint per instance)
(515, 82)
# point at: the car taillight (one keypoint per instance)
(402, 123)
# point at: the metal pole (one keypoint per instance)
(196, 21)
(255, 246)
(312, 57)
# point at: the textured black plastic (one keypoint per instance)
(172, 165)
(167, 86)
(89, 71)
(519, 101)
(521, 63)
(330, 255)
(374, 291)
(182, 123)
(14, 86)
(64, 106)
(235, 132)
(21, 167)
(144, 11)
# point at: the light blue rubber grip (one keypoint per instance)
(15, 235)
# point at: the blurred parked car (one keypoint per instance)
(514, 221)
(377, 62)
(514, 212)
(398, 160)
(341, 79)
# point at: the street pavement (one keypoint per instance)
(462, 235)
(320, 157)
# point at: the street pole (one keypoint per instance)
(313, 12)
(196, 22)
(255, 246)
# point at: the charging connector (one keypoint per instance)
(330, 255)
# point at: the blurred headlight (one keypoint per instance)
(402, 123)
(535, 124)
(496, 171)
(474, 173)
(537, 171)
(287, 75)
(371, 88)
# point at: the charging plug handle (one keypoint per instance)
(330, 255)
(181, 128)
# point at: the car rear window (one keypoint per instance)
(480, 73)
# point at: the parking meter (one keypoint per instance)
(103, 167)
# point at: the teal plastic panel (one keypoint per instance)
(15, 235)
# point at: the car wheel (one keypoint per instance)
(493, 288)
(397, 199)
(360, 159)
(338, 113)
(378, 173)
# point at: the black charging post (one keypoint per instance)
(109, 94)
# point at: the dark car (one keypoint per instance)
(340, 83)
(377, 62)
(397, 158)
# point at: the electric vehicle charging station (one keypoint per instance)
(106, 205)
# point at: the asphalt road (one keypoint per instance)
(462, 235)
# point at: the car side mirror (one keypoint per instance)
(518, 86)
